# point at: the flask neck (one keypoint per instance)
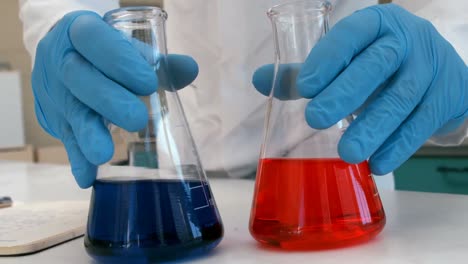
(136, 14)
(297, 27)
(144, 27)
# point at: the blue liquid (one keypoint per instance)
(144, 221)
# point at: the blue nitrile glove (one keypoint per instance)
(86, 72)
(406, 80)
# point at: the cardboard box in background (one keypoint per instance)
(52, 154)
(58, 155)
(25, 154)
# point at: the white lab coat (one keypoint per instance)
(230, 39)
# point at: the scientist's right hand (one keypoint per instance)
(402, 79)
(86, 72)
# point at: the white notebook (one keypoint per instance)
(28, 228)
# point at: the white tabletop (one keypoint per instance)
(421, 227)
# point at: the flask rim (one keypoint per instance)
(132, 13)
(321, 7)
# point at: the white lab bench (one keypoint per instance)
(421, 227)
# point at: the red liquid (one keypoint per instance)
(315, 204)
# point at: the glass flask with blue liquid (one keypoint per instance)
(160, 206)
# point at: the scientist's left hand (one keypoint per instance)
(407, 81)
(86, 72)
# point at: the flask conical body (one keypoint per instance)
(306, 197)
(158, 206)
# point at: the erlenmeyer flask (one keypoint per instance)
(160, 206)
(306, 197)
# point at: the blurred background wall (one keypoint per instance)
(12, 51)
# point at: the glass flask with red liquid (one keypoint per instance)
(306, 197)
(159, 206)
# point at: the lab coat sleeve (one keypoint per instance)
(39, 16)
(450, 20)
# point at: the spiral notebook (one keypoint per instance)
(28, 228)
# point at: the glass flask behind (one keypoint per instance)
(306, 197)
(160, 206)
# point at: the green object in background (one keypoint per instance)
(438, 174)
(143, 154)
(145, 159)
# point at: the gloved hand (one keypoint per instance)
(86, 72)
(406, 80)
